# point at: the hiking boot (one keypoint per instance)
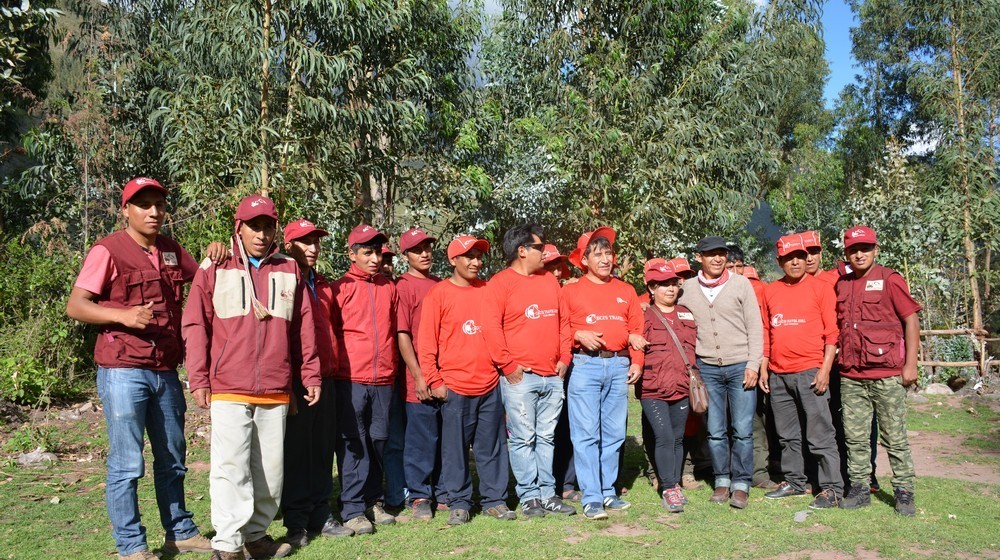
(739, 499)
(360, 525)
(140, 555)
(826, 499)
(532, 508)
(767, 484)
(672, 500)
(501, 512)
(333, 529)
(858, 496)
(784, 490)
(379, 516)
(266, 547)
(614, 503)
(196, 543)
(594, 510)
(297, 537)
(904, 502)
(223, 555)
(720, 496)
(458, 517)
(680, 492)
(422, 509)
(555, 505)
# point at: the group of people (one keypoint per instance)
(397, 379)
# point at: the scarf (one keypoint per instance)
(713, 283)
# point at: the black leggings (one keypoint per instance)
(667, 419)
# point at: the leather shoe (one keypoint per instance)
(720, 496)
(739, 500)
(786, 490)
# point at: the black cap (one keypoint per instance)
(710, 243)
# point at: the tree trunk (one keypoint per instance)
(265, 178)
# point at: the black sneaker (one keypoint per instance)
(333, 529)
(556, 505)
(858, 496)
(904, 502)
(784, 490)
(532, 508)
(826, 499)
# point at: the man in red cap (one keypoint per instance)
(388, 266)
(799, 349)
(460, 374)
(555, 263)
(521, 321)
(132, 284)
(811, 241)
(364, 318)
(244, 322)
(420, 421)
(309, 431)
(682, 269)
(879, 339)
(604, 328)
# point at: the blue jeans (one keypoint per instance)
(533, 408)
(597, 397)
(733, 466)
(138, 401)
(395, 477)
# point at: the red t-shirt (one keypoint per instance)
(411, 291)
(451, 346)
(99, 269)
(800, 319)
(828, 276)
(521, 322)
(610, 308)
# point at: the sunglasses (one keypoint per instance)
(535, 246)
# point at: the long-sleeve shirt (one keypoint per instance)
(521, 322)
(801, 320)
(729, 327)
(610, 308)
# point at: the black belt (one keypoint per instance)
(602, 353)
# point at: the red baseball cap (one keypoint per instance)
(576, 257)
(810, 239)
(660, 272)
(365, 234)
(788, 244)
(550, 253)
(133, 187)
(681, 267)
(465, 243)
(859, 234)
(301, 228)
(750, 273)
(413, 237)
(387, 251)
(653, 263)
(256, 205)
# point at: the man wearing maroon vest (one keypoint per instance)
(131, 285)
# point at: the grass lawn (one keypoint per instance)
(58, 512)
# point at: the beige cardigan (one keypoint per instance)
(729, 329)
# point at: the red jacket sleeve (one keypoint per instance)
(429, 335)
(196, 327)
(492, 316)
(305, 325)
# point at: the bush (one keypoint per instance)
(46, 355)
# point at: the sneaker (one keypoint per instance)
(720, 496)
(143, 554)
(873, 486)
(594, 510)
(223, 555)
(614, 503)
(680, 492)
(421, 509)
(858, 496)
(501, 512)
(904, 502)
(332, 528)
(297, 537)
(672, 500)
(458, 517)
(360, 525)
(826, 499)
(266, 547)
(378, 515)
(532, 508)
(784, 490)
(556, 505)
(197, 543)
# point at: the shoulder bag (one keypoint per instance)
(696, 387)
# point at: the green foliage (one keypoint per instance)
(25, 67)
(30, 437)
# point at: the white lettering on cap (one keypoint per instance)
(857, 233)
(144, 181)
(257, 203)
(305, 223)
(415, 232)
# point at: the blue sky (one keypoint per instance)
(837, 23)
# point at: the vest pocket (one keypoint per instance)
(143, 286)
(881, 348)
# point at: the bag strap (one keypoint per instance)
(673, 335)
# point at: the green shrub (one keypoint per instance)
(28, 438)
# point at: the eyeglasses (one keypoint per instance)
(535, 246)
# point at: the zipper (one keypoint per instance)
(257, 324)
(371, 299)
(272, 292)
(243, 294)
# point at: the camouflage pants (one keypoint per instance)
(886, 398)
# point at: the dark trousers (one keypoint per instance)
(309, 444)
(479, 422)
(562, 460)
(422, 460)
(666, 422)
(764, 434)
(798, 412)
(362, 430)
